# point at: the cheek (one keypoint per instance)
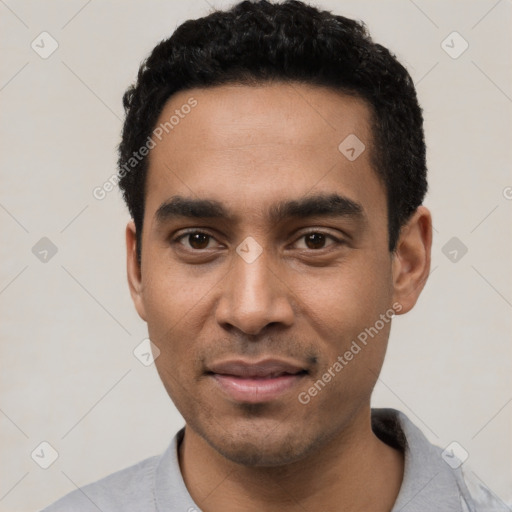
(345, 300)
(174, 295)
(178, 305)
(171, 307)
(344, 308)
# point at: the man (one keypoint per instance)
(273, 162)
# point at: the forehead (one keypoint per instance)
(251, 145)
(231, 116)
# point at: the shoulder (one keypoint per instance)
(434, 479)
(477, 496)
(130, 489)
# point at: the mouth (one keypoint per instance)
(256, 382)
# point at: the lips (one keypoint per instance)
(262, 369)
(255, 382)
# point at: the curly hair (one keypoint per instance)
(258, 42)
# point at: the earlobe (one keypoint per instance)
(411, 259)
(133, 270)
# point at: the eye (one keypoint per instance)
(195, 240)
(316, 240)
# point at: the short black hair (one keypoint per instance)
(257, 42)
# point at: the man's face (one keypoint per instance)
(252, 297)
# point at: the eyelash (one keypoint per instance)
(335, 240)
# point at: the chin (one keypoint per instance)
(263, 446)
(259, 453)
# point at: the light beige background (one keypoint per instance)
(68, 328)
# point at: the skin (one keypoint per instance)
(303, 299)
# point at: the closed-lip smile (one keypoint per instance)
(256, 381)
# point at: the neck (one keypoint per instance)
(353, 471)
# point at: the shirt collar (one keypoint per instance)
(429, 483)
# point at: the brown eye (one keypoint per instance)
(195, 240)
(198, 240)
(315, 240)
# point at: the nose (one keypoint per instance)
(254, 297)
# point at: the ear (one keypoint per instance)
(411, 259)
(133, 269)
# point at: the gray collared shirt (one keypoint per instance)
(431, 482)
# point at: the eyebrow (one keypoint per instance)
(322, 205)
